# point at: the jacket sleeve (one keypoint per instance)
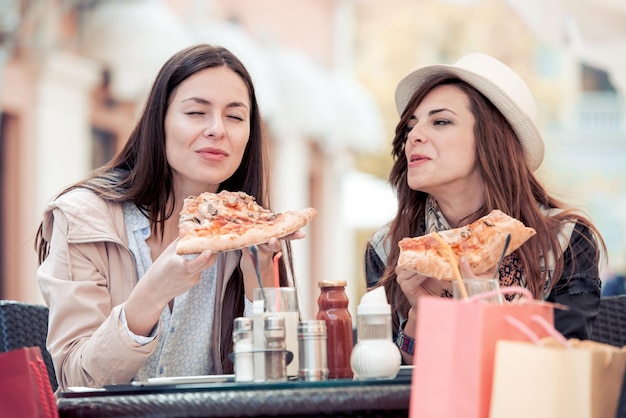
(579, 287)
(86, 338)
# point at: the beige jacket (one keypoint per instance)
(88, 275)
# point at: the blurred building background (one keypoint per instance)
(74, 75)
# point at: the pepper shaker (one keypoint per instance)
(275, 354)
(312, 350)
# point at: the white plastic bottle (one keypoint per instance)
(375, 356)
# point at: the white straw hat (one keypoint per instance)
(500, 84)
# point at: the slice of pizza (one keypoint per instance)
(481, 242)
(227, 221)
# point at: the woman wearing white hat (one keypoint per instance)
(467, 143)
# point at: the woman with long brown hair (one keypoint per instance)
(123, 305)
(467, 143)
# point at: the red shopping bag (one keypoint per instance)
(455, 348)
(25, 389)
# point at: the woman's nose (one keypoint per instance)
(414, 134)
(215, 127)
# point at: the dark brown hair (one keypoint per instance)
(510, 186)
(141, 174)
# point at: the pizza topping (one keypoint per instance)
(231, 201)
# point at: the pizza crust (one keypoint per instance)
(481, 243)
(233, 220)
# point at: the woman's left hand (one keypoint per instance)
(414, 285)
(467, 273)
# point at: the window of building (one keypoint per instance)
(593, 79)
(103, 147)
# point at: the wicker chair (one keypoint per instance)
(610, 328)
(610, 324)
(25, 325)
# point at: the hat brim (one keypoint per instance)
(520, 121)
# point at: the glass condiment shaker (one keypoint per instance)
(275, 354)
(333, 309)
(242, 349)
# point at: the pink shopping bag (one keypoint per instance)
(455, 347)
(25, 389)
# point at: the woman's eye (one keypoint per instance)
(194, 112)
(441, 122)
(236, 117)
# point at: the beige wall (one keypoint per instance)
(47, 146)
(18, 99)
(305, 25)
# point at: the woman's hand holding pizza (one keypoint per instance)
(169, 276)
(173, 275)
(414, 284)
(410, 282)
(467, 273)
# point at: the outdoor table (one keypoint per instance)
(331, 398)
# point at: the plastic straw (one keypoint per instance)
(277, 278)
(462, 286)
(457, 275)
(276, 270)
(453, 263)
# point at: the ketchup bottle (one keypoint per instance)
(333, 309)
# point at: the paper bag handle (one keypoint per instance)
(508, 290)
(532, 336)
(48, 403)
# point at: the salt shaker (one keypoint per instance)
(258, 339)
(242, 348)
(375, 356)
(312, 350)
(333, 309)
(275, 354)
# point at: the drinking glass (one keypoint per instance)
(477, 286)
(283, 302)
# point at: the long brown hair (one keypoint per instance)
(141, 174)
(510, 186)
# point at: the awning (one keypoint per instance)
(296, 95)
(593, 30)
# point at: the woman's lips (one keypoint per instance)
(215, 154)
(417, 159)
